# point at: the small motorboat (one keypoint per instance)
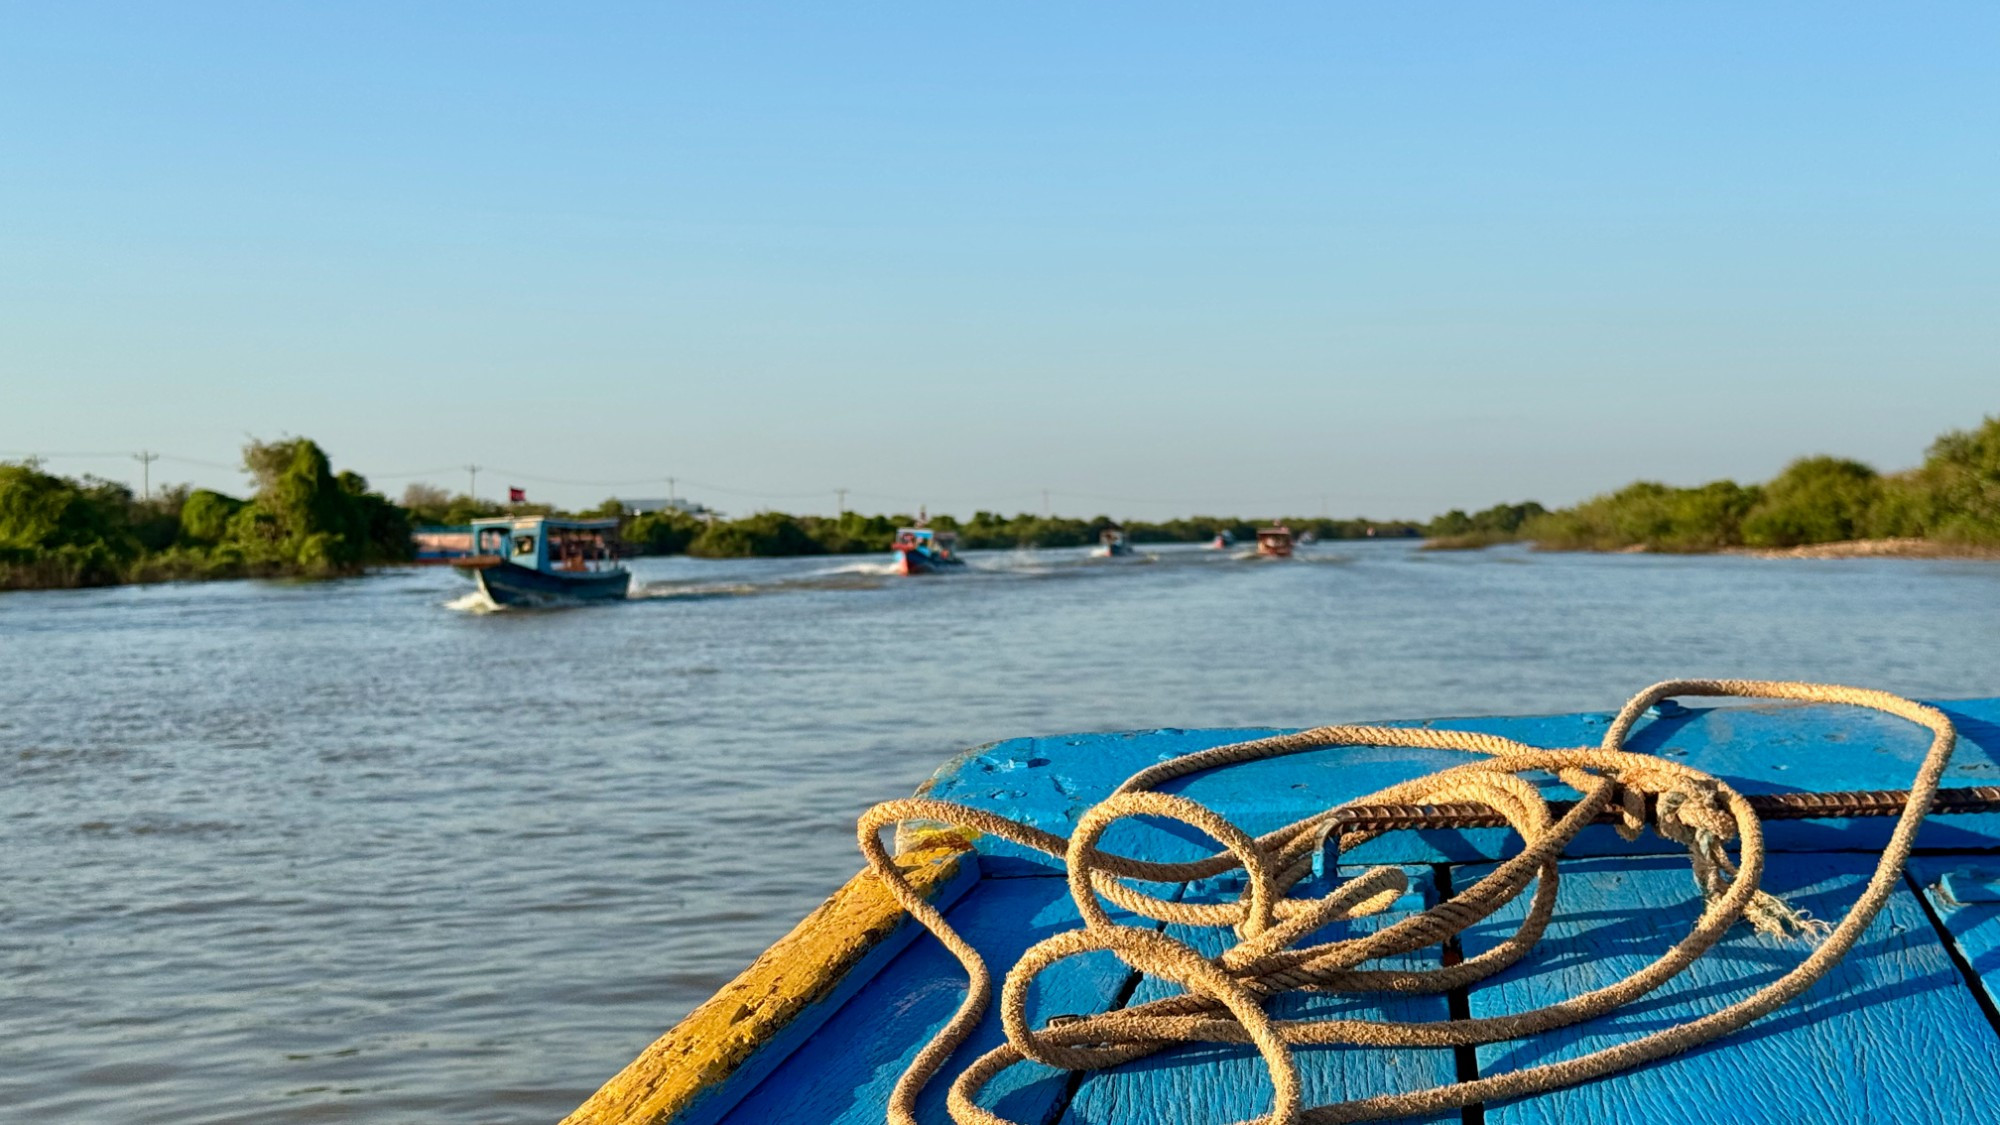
(919, 550)
(1222, 541)
(1111, 544)
(1274, 542)
(542, 560)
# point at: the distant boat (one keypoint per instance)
(1111, 544)
(1274, 542)
(919, 550)
(541, 560)
(1222, 541)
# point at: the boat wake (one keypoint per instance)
(692, 591)
(474, 601)
(858, 576)
(869, 569)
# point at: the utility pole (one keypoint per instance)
(146, 460)
(670, 492)
(472, 481)
(1046, 513)
(841, 494)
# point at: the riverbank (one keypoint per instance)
(306, 520)
(1896, 548)
(1904, 547)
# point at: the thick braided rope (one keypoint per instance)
(1223, 998)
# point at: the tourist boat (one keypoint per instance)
(543, 560)
(819, 1029)
(919, 550)
(1274, 542)
(1111, 544)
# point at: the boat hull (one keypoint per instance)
(802, 1035)
(919, 562)
(510, 585)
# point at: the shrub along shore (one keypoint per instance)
(1949, 505)
(305, 520)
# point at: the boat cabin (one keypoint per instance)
(547, 544)
(940, 543)
(1275, 542)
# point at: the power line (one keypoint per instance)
(198, 461)
(45, 453)
(441, 469)
(533, 478)
(676, 483)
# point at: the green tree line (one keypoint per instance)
(1953, 499)
(776, 533)
(303, 519)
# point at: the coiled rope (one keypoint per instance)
(1224, 997)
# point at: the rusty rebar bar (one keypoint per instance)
(1840, 805)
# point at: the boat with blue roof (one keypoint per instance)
(546, 560)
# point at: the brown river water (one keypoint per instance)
(287, 852)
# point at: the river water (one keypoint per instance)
(287, 852)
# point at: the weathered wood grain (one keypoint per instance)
(1891, 1034)
(1974, 923)
(843, 1073)
(1221, 1083)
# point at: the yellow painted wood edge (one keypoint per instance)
(798, 971)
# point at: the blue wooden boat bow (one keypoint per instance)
(1151, 976)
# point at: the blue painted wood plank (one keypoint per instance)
(1211, 1083)
(1890, 1034)
(843, 1073)
(1758, 748)
(1965, 893)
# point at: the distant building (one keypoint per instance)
(645, 507)
(436, 545)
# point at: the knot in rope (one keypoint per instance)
(1223, 997)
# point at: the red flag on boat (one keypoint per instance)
(517, 495)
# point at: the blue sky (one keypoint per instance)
(1156, 258)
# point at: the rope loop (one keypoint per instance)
(1223, 998)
